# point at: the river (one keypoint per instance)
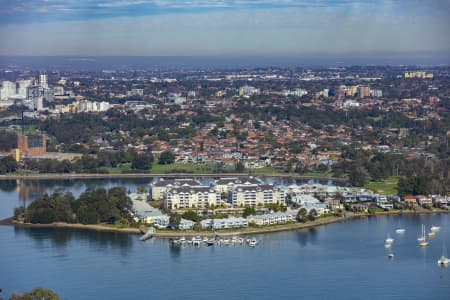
(337, 261)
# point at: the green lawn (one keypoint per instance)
(385, 187)
(163, 169)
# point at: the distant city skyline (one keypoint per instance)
(223, 28)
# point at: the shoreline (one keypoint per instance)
(244, 231)
(150, 175)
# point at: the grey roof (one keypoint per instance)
(238, 180)
(176, 182)
(142, 208)
(189, 189)
(259, 187)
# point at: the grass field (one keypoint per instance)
(385, 187)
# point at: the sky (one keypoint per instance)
(224, 27)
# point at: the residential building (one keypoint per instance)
(185, 224)
(160, 187)
(383, 202)
(424, 200)
(226, 223)
(8, 90)
(185, 197)
(225, 185)
(247, 91)
(257, 195)
(273, 218)
(410, 200)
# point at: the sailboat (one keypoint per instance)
(389, 240)
(444, 260)
(423, 239)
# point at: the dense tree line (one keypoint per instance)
(419, 175)
(91, 163)
(94, 206)
(8, 140)
(7, 165)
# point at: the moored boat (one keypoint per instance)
(444, 260)
(435, 228)
(389, 240)
(400, 230)
(423, 239)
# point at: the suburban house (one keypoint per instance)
(186, 224)
(383, 202)
(424, 200)
(410, 200)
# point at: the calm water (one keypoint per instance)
(337, 261)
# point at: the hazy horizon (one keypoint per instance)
(92, 63)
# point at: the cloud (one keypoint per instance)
(228, 27)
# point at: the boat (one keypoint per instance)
(431, 234)
(389, 240)
(444, 260)
(197, 241)
(423, 239)
(210, 242)
(252, 242)
(400, 231)
(435, 228)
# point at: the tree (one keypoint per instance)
(38, 293)
(142, 161)
(142, 190)
(240, 167)
(312, 214)
(175, 219)
(301, 215)
(190, 215)
(248, 211)
(7, 165)
(166, 158)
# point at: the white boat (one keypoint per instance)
(253, 242)
(400, 231)
(435, 228)
(389, 240)
(444, 260)
(423, 239)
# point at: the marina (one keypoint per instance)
(216, 241)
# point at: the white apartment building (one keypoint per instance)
(186, 197)
(8, 90)
(257, 195)
(160, 187)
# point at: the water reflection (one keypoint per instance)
(8, 185)
(307, 236)
(61, 238)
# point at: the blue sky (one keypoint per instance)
(223, 27)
